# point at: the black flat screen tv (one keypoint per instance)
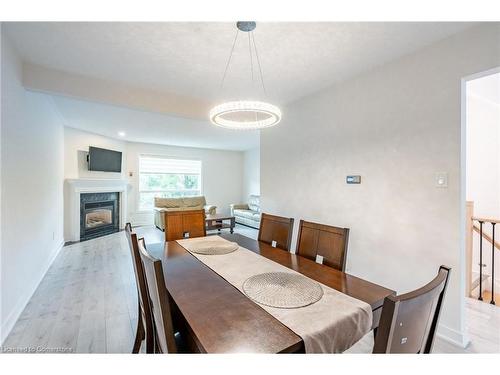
(104, 160)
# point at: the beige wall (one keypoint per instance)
(396, 126)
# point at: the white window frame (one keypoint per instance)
(162, 156)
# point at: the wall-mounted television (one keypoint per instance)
(103, 160)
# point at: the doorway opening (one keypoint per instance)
(480, 200)
(482, 188)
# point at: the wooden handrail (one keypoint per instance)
(486, 236)
(486, 220)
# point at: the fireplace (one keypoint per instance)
(99, 214)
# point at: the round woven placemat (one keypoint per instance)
(213, 247)
(282, 289)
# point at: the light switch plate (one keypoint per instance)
(441, 179)
(353, 179)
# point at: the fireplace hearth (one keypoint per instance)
(99, 214)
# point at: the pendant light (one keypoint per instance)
(245, 114)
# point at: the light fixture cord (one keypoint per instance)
(229, 60)
(251, 58)
(256, 117)
(258, 63)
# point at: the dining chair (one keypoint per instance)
(325, 241)
(408, 322)
(165, 339)
(184, 224)
(144, 330)
(276, 231)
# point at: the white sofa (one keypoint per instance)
(248, 213)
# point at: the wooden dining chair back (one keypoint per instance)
(325, 241)
(159, 301)
(408, 322)
(184, 224)
(276, 229)
(144, 329)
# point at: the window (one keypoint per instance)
(167, 178)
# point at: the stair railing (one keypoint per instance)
(494, 246)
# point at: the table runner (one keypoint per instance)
(331, 325)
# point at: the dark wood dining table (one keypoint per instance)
(220, 319)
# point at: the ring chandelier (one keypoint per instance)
(245, 114)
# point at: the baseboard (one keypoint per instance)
(12, 318)
(453, 336)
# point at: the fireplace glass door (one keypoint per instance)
(98, 217)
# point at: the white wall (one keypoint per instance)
(222, 171)
(221, 175)
(483, 154)
(483, 167)
(76, 147)
(396, 126)
(32, 189)
(251, 173)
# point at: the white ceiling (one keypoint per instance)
(487, 87)
(189, 58)
(148, 127)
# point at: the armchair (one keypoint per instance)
(247, 213)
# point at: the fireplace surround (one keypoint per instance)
(76, 188)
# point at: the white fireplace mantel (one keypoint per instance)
(75, 187)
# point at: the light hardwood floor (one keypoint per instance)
(487, 297)
(87, 303)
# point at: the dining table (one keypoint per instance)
(219, 318)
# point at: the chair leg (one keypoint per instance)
(150, 340)
(139, 334)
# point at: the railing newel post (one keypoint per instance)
(480, 261)
(493, 263)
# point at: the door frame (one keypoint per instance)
(463, 187)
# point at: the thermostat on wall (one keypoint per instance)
(353, 179)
